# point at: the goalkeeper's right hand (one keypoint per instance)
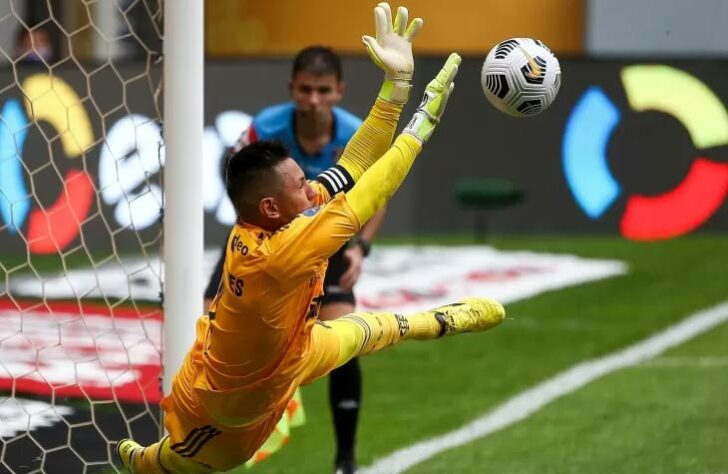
(392, 50)
(437, 92)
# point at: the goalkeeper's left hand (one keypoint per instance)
(392, 50)
(437, 92)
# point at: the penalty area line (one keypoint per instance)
(530, 401)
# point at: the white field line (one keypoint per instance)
(530, 401)
(685, 362)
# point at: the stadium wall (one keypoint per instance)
(235, 28)
(643, 165)
(656, 28)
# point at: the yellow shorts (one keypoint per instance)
(195, 435)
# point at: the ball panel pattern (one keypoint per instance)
(497, 84)
(504, 48)
(521, 77)
(530, 107)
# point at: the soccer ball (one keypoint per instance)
(521, 77)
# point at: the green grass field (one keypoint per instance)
(667, 415)
(666, 418)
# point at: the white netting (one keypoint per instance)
(80, 231)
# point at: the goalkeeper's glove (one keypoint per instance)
(392, 51)
(437, 92)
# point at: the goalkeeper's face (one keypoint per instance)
(315, 94)
(293, 195)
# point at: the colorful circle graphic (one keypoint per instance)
(588, 131)
(50, 228)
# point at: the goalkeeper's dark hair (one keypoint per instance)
(250, 175)
(317, 60)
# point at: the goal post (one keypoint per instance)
(183, 215)
(98, 138)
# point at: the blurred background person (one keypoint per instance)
(33, 46)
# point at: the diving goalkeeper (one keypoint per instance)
(261, 338)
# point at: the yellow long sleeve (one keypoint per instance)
(379, 183)
(372, 139)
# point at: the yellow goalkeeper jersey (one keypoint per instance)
(251, 346)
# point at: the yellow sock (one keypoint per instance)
(147, 460)
(370, 332)
(422, 326)
(364, 333)
(159, 458)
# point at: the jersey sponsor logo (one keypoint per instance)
(236, 245)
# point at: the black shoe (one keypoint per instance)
(345, 467)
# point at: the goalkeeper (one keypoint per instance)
(261, 338)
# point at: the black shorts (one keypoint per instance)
(338, 264)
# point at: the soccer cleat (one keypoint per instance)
(345, 467)
(469, 315)
(126, 449)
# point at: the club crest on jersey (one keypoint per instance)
(311, 212)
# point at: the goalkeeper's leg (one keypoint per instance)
(157, 458)
(198, 448)
(338, 341)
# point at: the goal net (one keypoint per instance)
(81, 154)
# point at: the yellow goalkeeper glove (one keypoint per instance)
(392, 51)
(437, 92)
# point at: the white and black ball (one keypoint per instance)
(521, 77)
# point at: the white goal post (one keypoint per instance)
(183, 214)
(101, 133)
